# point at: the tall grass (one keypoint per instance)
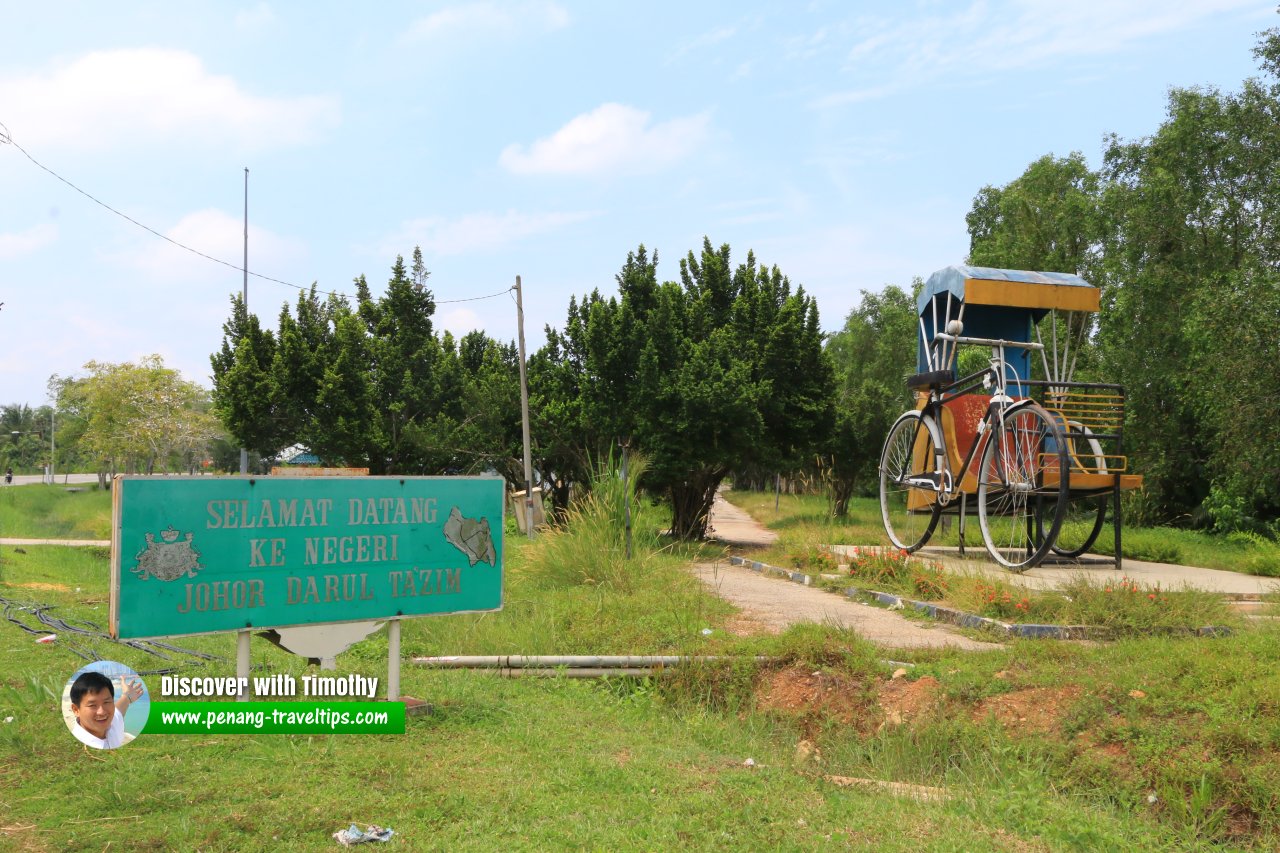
(590, 545)
(573, 589)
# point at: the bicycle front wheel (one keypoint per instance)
(1022, 476)
(910, 512)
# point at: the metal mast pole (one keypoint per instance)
(242, 637)
(244, 452)
(524, 415)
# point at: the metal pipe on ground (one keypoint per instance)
(585, 666)
(579, 672)
(571, 661)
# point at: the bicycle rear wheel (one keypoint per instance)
(1081, 524)
(1022, 475)
(1084, 517)
(910, 512)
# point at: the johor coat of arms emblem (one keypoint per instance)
(170, 559)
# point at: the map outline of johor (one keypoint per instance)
(471, 537)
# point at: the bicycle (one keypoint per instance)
(1021, 482)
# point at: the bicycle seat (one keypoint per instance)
(932, 379)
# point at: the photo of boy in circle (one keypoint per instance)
(99, 715)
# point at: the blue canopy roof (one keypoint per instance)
(953, 278)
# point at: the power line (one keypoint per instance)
(6, 138)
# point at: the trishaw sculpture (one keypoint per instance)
(1039, 461)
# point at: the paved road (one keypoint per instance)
(70, 543)
(61, 479)
(772, 605)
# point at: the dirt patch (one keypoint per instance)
(817, 695)
(923, 793)
(51, 587)
(800, 692)
(744, 624)
(1034, 710)
(1114, 751)
(1003, 840)
(901, 700)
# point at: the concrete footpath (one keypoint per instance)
(1056, 575)
(771, 606)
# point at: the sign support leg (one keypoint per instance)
(242, 662)
(393, 660)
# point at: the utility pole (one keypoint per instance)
(524, 415)
(244, 452)
(626, 491)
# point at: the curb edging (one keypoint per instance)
(972, 620)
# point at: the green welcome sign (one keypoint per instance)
(194, 555)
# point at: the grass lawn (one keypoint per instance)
(1157, 744)
(53, 512)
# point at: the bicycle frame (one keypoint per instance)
(943, 482)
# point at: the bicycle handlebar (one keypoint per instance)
(943, 336)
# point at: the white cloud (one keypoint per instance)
(123, 96)
(610, 138)
(888, 56)
(458, 320)
(489, 18)
(25, 242)
(475, 232)
(219, 235)
(255, 20)
(703, 41)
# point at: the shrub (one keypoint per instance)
(929, 582)
(812, 559)
(998, 601)
(880, 567)
(1125, 603)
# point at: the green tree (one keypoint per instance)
(246, 395)
(1193, 236)
(1180, 230)
(306, 345)
(1046, 219)
(24, 437)
(139, 417)
(402, 377)
(346, 425)
(370, 385)
(722, 370)
(873, 354)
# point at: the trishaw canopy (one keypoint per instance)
(997, 303)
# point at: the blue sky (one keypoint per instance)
(843, 142)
